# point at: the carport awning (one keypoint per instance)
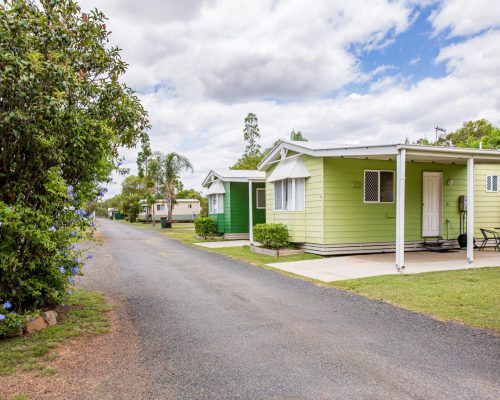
(289, 168)
(217, 187)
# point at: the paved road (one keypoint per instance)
(214, 328)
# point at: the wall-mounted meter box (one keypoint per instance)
(462, 201)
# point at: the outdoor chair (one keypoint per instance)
(490, 235)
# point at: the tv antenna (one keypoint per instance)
(438, 129)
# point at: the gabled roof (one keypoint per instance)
(382, 152)
(234, 175)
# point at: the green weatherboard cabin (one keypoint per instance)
(390, 198)
(229, 201)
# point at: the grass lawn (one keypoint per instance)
(244, 253)
(84, 314)
(470, 296)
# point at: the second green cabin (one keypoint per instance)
(229, 200)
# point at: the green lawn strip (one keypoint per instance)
(244, 253)
(470, 296)
(83, 314)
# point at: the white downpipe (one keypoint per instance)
(470, 210)
(400, 209)
(250, 211)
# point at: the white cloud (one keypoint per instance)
(466, 17)
(201, 66)
(232, 50)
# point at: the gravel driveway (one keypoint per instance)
(213, 328)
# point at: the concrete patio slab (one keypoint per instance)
(360, 266)
(224, 243)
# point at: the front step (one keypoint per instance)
(441, 245)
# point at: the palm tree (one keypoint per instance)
(172, 164)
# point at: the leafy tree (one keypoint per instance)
(164, 170)
(252, 155)
(297, 136)
(251, 133)
(143, 158)
(64, 115)
(472, 133)
(247, 162)
(134, 189)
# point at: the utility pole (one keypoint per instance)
(438, 129)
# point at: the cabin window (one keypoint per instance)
(144, 209)
(492, 183)
(289, 194)
(216, 203)
(160, 207)
(379, 186)
(261, 199)
(190, 206)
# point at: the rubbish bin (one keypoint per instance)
(164, 223)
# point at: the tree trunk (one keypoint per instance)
(169, 202)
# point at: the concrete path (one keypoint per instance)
(224, 243)
(214, 328)
(361, 266)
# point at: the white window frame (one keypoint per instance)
(257, 198)
(486, 183)
(292, 208)
(379, 192)
(218, 202)
(160, 207)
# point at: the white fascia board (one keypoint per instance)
(365, 151)
(263, 165)
(210, 178)
(453, 152)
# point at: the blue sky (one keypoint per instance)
(409, 55)
(346, 71)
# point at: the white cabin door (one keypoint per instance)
(431, 206)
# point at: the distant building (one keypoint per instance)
(182, 211)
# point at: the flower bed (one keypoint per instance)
(276, 252)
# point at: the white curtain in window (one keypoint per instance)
(278, 195)
(299, 194)
(220, 204)
(213, 204)
(288, 190)
(289, 194)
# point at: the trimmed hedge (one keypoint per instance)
(271, 236)
(205, 227)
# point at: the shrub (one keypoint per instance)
(205, 227)
(11, 323)
(65, 113)
(271, 236)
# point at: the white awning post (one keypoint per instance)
(470, 210)
(400, 209)
(250, 211)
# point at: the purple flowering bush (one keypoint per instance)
(11, 322)
(38, 258)
(65, 114)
